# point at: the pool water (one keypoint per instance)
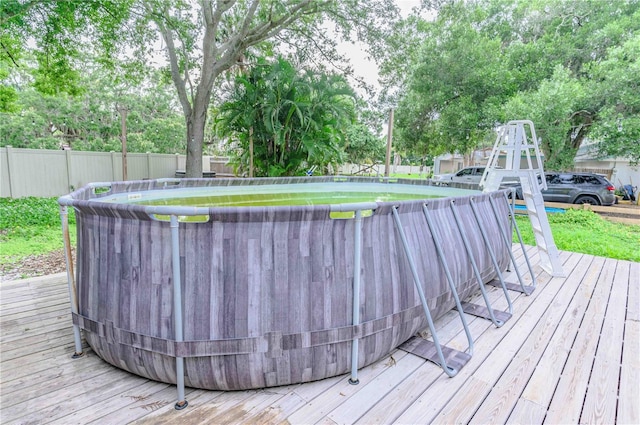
(279, 195)
(522, 209)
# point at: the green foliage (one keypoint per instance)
(617, 87)
(92, 122)
(27, 212)
(295, 120)
(362, 146)
(8, 94)
(571, 67)
(201, 41)
(58, 28)
(457, 79)
(586, 232)
(553, 103)
(30, 226)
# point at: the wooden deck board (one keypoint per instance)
(492, 354)
(389, 408)
(403, 395)
(633, 301)
(568, 398)
(600, 402)
(531, 370)
(628, 406)
(506, 390)
(323, 404)
(541, 385)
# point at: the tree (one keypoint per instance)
(201, 42)
(617, 86)
(8, 94)
(566, 65)
(90, 121)
(553, 107)
(456, 84)
(362, 146)
(286, 121)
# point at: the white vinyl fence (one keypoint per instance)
(47, 173)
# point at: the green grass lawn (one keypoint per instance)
(586, 232)
(30, 226)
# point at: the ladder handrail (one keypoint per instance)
(518, 138)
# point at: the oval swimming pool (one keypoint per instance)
(266, 271)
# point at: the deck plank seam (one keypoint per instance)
(590, 315)
(540, 322)
(547, 283)
(600, 335)
(527, 301)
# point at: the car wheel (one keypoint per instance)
(586, 199)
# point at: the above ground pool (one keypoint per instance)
(253, 283)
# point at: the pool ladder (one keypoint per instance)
(516, 154)
(449, 359)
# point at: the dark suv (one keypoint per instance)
(577, 188)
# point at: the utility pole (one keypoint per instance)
(387, 161)
(122, 109)
(251, 151)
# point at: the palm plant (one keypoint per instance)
(283, 121)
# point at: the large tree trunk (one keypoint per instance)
(195, 142)
(219, 53)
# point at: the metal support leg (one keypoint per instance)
(73, 295)
(356, 294)
(524, 251)
(498, 323)
(445, 266)
(450, 371)
(512, 218)
(494, 259)
(177, 309)
(508, 245)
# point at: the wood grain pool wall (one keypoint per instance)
(267, 291)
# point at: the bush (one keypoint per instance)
(30, 212)
(31, 226)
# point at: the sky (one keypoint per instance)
(364, 67)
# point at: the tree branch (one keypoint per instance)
(186, 67)
(583, 112)
(175, 69)
(21, 11)
(6, 49)
(272, 27)
(248, 18)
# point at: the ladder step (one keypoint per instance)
(517, 138)
(427, 350)
(541, 242)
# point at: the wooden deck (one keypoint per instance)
(569, 354)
